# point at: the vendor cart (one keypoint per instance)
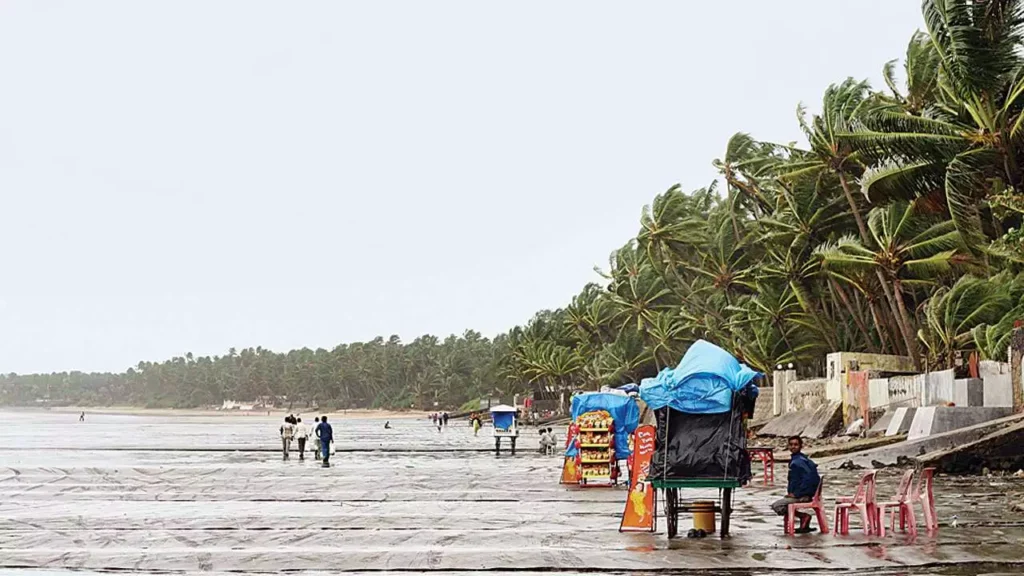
(504, 418)
(602, 423)
(673, 505)
(701, 439)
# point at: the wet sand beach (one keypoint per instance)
(135, 494)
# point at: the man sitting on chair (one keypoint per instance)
(803, 484)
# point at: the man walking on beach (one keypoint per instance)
(326, 434)
(315, 435)
(287, 433)
(803, 484)
(301, 433)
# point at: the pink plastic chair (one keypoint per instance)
(767, 457)
(923, 493)
(902, 505)
(864, 502)
(815, 504)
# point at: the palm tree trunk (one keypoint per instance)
(838, 290)
(905, 316)
(883, 333)
(897, 308)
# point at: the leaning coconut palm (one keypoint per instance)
(921, 70)
(832, 156)
(908, 250)
(636, 289)
(993, 340)
(951, 314)
(628, 359)
(965, 147)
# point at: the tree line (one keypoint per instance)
(896, 229)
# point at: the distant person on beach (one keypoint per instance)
(287, 433)
(316, 437)
(82, 417)
(387, 425)
(326, 434)
(445, 417)
(554, 439)
(301, 434)
(803, 484)
(545, 441)
(476, 424)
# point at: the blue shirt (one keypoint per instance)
(326, 433)
(803, 476)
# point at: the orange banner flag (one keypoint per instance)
(639, 513)
(570, 471)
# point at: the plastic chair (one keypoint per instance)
(767, 458)
(901, 505)
(923, 493)
(815, 504)
(864, 502)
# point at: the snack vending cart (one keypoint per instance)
(595, 455)
(598, 438)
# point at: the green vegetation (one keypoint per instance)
(896, 230)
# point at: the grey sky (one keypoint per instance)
(194, 175)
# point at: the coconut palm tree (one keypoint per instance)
(908, 249)
(952, 313)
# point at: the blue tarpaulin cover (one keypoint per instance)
(502, 420)
(503, 416)
(623, 409)
(629, 388)
(702, 383)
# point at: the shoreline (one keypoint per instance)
(192, 412)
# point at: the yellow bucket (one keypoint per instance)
(704, 515)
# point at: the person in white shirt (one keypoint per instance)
(545, 441)
(287, 433)
(553, 441)
(301, 434)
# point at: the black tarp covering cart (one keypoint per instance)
(701, 437)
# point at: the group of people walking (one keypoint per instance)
(440, 419)
(321, 433)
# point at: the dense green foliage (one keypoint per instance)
(897, 229)
(380, 373)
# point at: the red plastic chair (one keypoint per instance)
(923, 493)
(815, 504)
(767, 458)
(901, 505)
(864, 502)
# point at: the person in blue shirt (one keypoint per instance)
(326, 435)
(803, 484)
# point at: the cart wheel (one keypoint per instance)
(672, 511)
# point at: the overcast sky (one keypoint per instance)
(194, 175)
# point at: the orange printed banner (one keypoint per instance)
(639, 513)
(570, 471)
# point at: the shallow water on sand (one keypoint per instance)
(191, 495)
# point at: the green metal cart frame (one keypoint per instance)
(673, 507)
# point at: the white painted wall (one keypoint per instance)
(878, 392)
(937, 388)
(998, 385)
